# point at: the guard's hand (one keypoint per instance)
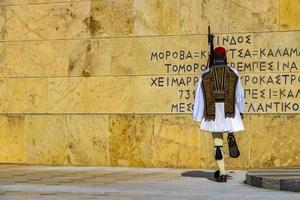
(242, 115)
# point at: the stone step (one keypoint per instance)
(286, 178)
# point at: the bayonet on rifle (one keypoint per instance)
(211, 48)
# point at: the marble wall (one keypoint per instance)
(111, 82)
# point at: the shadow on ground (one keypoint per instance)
(202, 174)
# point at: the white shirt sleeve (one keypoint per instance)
(198, 111)
(239, 94)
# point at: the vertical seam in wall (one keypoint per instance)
(5, 22)
(108, 158)
(47, 108)
(25, 130)
(200, 137)
(279, 11)
(89, 24)
(111, 46)
(90, 66)
(228, 2)
(250, 144)
(110, 50)
(153, 140)
(135, 15)
(132, 95)
(107, 155)
(180, 30)
(201, 143)
(47, 80)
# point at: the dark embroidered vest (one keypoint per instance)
(219, 85)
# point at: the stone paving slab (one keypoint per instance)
(287, 179)
(38, 182)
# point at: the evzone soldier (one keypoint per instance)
(219, 106)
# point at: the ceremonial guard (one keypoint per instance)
(219, 106)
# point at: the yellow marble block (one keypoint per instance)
(283, 83)
(3, 95)
(108, 94)
(190, 154)
(14, 59)
(133, 55)
(289, 15)
(144, 129)
(173, 54)
(153, 99)
(44, 58)
(274, 141)
(239, 48)
(285, 42)
(27, 95)
(131, 140)
(67, 139)
(276, 39)
(18, 2)
(2, 23)
(180, 51)
(157, 17)
(67, 95)
(46, 140)
(87, 139)
(57, 58)
(112, 18)
(12, 142)
(44, 21)
(150, 55)
(177, 142)
(253, 15)
(99, 57)
(196, 15)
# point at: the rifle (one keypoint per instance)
(211, 47)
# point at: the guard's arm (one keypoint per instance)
(239, 95)
(198, 110)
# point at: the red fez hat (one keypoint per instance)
(220, 50)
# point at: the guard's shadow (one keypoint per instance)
(202, 174)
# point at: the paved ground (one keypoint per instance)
(32, 182)
(284, 178)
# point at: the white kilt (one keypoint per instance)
(222, 124)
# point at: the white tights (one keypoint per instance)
(218, 141)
